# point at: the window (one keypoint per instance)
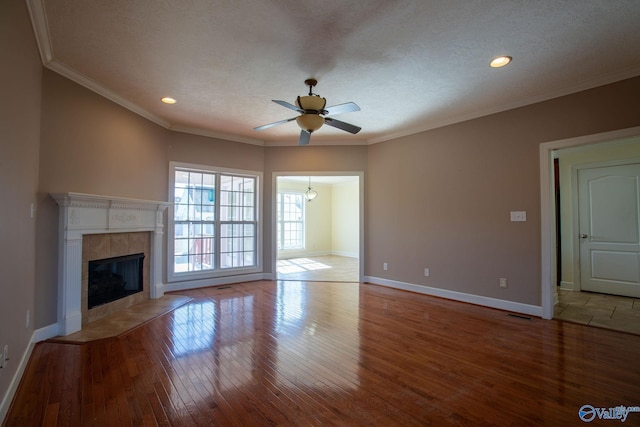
(214, 222)
(237, 221)
(290, 221)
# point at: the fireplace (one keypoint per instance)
(105, 252)
(111, 279)
(93, 227)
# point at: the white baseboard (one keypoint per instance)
(346, 254)
(46, 333)
(15, 381)
(203, 283)
(516, 307)
(301, 254)
(567, 286)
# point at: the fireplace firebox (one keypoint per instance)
(114, 278)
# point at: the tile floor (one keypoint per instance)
(329, 268)
(605, 311)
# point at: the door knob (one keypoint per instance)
(583, 236)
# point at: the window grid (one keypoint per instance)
(197, 234)
(237, 225)
(194, 221)
(290, 224)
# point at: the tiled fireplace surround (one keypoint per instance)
(94, 227)
(109, 245)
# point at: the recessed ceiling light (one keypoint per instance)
(500, 61)
(168, 100)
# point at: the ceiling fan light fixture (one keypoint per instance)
(311, 102)
(500, 61)
(310, 122)
(310, 194)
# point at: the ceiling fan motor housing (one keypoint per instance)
(310, 122)
(312, 105)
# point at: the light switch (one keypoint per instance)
(518, 216)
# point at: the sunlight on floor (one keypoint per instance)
(297, 265)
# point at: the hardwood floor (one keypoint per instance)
(295, 353)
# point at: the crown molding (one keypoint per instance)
(316, 142)
(92, 85)
(558, 92)
(41, 29)
(40, 25)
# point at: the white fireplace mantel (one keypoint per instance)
(82, 214)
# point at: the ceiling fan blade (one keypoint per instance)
(270, 125)
(304, 137)
(342, 125)
(288, 105)
(347, 107)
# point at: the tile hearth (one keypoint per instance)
(125, 320)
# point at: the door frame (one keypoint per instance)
(274, 242)
(548, 291)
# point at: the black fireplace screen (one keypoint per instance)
(114, 278)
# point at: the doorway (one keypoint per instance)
(610, 146)
(318, 239)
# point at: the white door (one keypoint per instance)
(609, 222)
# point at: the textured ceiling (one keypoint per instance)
(409, 65)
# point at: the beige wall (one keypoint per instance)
(441, 199)
(196, 149)
(345, 218)
(89, 145)
(569, 159)
(20, 75)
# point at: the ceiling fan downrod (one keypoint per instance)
(311, 83)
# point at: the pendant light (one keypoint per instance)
(310, 194)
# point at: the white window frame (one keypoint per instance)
(280, 223)
(217, 271)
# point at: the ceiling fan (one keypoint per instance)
(313, 114)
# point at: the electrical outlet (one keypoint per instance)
(426, 272)
(503, 282)
(385, 266)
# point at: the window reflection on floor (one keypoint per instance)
(303, 331)
(193, 327)
(289, 306)
(196, 324)
(223, 332)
